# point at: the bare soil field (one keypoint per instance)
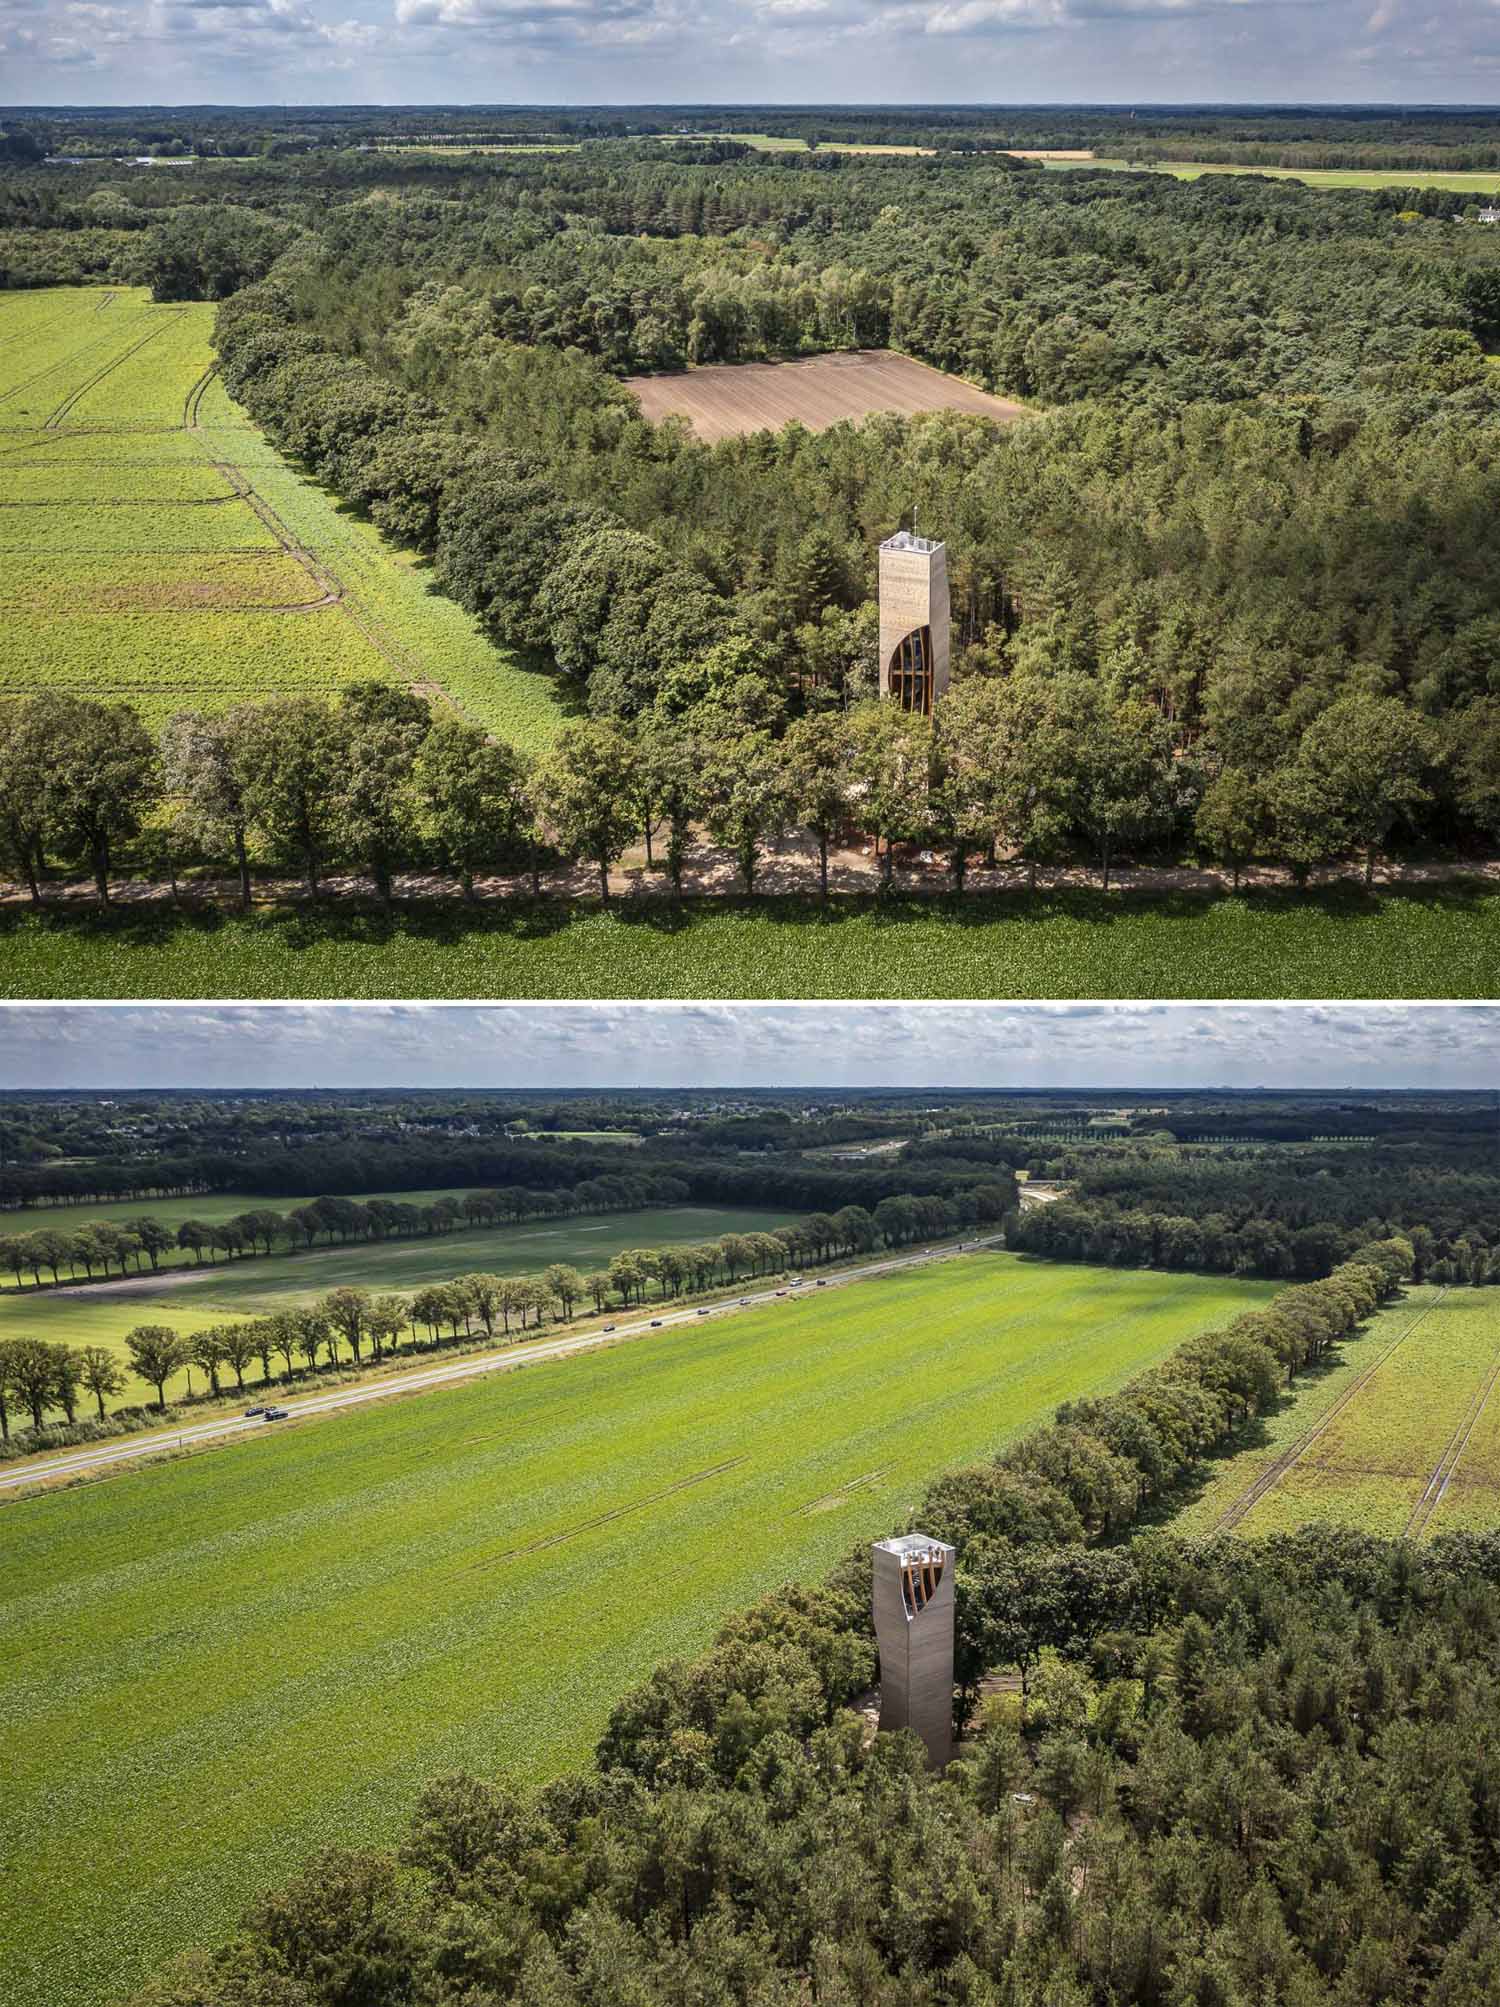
(726, 400)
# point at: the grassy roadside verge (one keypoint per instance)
(1436, 941)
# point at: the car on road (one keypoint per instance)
(744, 1303)
(656, 1324)
(821, 1283)
(704, 1311)
(251, 1413)
(609, 1327)
(278, 1414)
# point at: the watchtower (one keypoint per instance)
(913, 1602)
(914, 614)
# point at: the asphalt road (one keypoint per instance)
(224, 1428)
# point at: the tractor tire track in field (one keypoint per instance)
(1271, 1476)
(193, 402)
(11, 390)
(113, 364)
(1449, 1461)
(603, 1518)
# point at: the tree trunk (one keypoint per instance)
(310, 861)
(960, 867)
(650, 825)
(887, 865)
(1369, 864)
(466, 879)
(100, 1399)
(242, 860)
(1104, 860)
(603, 863)
(101, 872)
(1236, 876)
(823, 862)
(28, 865)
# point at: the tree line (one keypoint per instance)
(1027, 767)
(1272, 1213)
(103, 1245)
(352, 1326)
(1223, 1716)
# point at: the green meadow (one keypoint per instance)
(213, 1666)
(190, 1301)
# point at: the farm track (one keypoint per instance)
(30, 334)
(193, 402)
(604, 1518)
(1449, 1461)
(98, 377)
(64, 362)
(293, 547)
(1272, 1475)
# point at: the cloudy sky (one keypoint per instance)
(728, 1045)
(739, 51)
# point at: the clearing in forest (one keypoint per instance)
(225, 1662)
(724, 400)
(1399, 1435)
(155, 549)
(190, 1299)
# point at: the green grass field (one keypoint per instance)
(213, 1666)
(1373, 1462)
(1462, 181)
(1443, 941)
(154, 547)
(189, 1302)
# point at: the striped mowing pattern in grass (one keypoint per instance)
(115, 442)
(223, 1663)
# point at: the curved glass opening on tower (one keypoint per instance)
(909, 674)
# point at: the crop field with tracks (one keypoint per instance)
(1400, 1435)
(224, 1662)
(190, 1299)
(155, 548)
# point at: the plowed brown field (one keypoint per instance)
(724, 400)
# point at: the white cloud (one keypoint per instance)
(727, 1045)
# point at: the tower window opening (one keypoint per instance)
(910, 676)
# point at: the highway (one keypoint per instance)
(414, 1380)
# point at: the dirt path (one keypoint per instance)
(791, 869)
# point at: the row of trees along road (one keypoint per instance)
(1037, 767)
(350, 1323)
(103, 1245)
